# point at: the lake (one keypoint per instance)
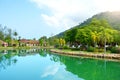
(40, 64)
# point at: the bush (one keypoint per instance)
(65, 47)
(90, 49)
(109, 48)
(75, 49)
(56, 46)
(101, 50)
(83, 48)
(115, 49)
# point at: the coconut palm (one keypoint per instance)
(15, 34)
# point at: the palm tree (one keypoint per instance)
(15, 34)
(19, 40)
(106, 37)
(19, 37)
(95, 36)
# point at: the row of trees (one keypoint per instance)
(52, 41)
(97, 33)
(10, 36)
(7, 34)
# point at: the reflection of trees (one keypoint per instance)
(55, 58)
(90, 69)
(25, 52)
(43, 52)
(7, 59)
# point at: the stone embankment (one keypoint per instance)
(87, 54)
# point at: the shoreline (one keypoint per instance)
(13, 48)
(88, 54)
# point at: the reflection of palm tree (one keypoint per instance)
(42, 53)
(15, 60)
(7, 59)
(88, 69)
(55, 58)
(105, 67)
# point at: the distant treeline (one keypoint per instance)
(7, 34)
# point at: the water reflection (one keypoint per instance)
(43, 52)
(50, 70)
(90, 69)
(8, 57)
(84, 69)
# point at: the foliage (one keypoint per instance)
(116, 37)
(43, 41)
(98, 33)
(70, 35)
(115, 49)
(90, 49)
(57, 42)
(61, 42)
(112, 19)
(6, 34)
(15, 34)
(65, 47)
(83, 36)
(75, 49)
(56, 46)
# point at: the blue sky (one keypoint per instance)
(36, 18)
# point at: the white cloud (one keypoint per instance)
(68, 13)
(107, 5)
(51, 20)
(50, 70)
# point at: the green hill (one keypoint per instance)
(113, 18)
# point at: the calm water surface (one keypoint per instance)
(43, 65)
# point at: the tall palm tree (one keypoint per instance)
(95, 36)
(106, 36)
(15, 34)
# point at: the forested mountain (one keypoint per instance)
(113, 18)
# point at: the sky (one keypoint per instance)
(37, 18)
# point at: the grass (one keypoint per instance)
(12, 48)
(70, 50)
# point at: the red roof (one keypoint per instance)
(2, 42)
(29, 41)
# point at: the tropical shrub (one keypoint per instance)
(56, 46)
(65, 47)
(115, 50)
(75, 49)
(83, 48)
(90, 49)
(101, 50)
